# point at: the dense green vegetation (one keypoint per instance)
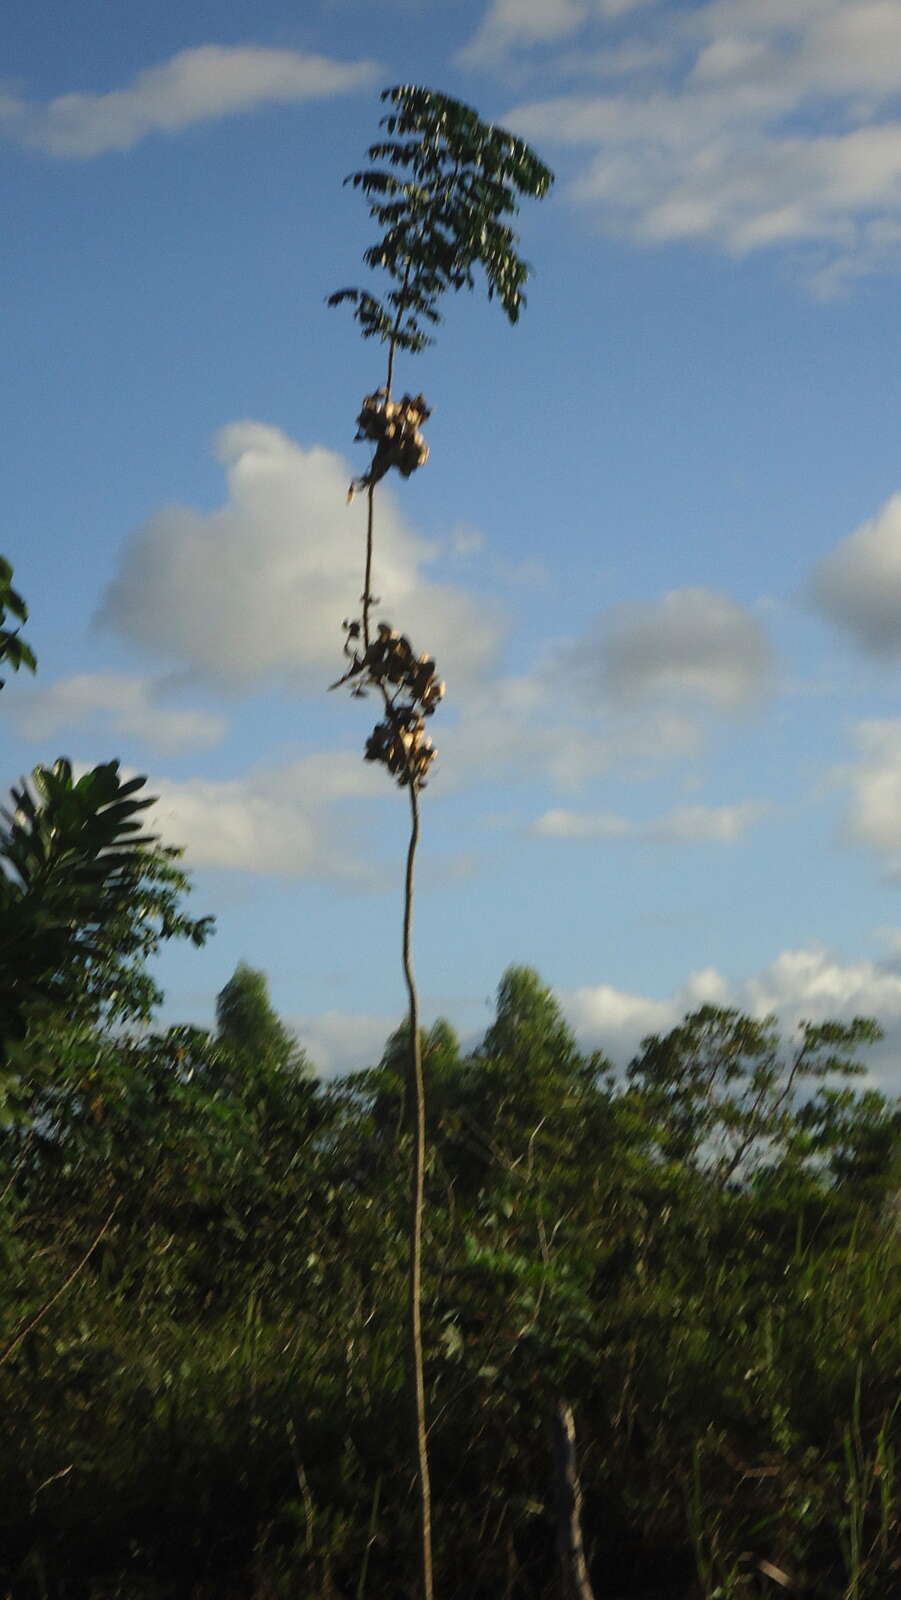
(204, 1366)
(202, 1377)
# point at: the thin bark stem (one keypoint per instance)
(391, 348)
(416, 1091)
(49, 1304)
(367, 575)
(395, 331)
(417, 1205)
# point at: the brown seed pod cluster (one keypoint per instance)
(401, 744)
(395, 428)
(412, 692)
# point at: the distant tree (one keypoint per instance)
(723, 1093)
(529, 1030)
(247, 1023)
(387, 1085)
(528, 1071)
(859, 1136)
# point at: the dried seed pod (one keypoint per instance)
(394, 427)
(411, 690)
(401, 745)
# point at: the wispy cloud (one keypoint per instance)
(766, 123)
(521, 729)
(197, 85)
(510, 24)
(516, 25)
(562, 824)
(692, 645)
(632, 695)
(118, 702)
(697, 824)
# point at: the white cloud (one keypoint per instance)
(612, 1020)
(342, 1041)
(197, 85)
(289, 821)
(518, 728)
(562, 824)
(511, 23)
(257, 589)
(119, 702)
(684, 825)
(692, 645)
(767, 124)
(874, 817)
(809, 983)
(709, 824)
(858, 584)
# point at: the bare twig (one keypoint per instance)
(49, 1304)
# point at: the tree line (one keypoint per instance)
(202, 1373)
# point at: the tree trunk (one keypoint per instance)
(568, 1496)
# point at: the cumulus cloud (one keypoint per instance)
(290, 821)
(624, 697)
(768, 123)
(340, 1041)
(684, 825)
(197, 85)
(858, 584)
(256, 589)
(874, 781)
(118, 702)
(694, 644)
(615, 1020)
(809, 983)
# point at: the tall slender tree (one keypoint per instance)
(442, 187)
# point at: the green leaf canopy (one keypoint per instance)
(444, 185)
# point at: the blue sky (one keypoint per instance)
(656, 549)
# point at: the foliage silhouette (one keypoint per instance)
(214, 1407)
(13, 648)
(86, 896)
